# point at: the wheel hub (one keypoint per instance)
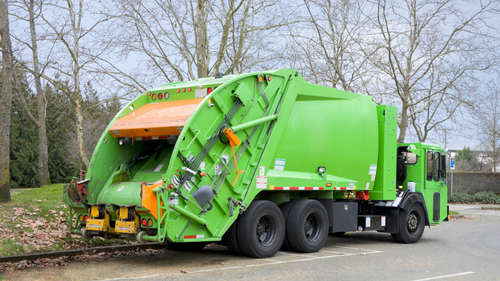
(412, 222)
(261, 229)
(308, 227)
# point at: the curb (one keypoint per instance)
(79, 252)
(494, 208)
(456, 216)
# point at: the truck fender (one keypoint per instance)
(415, 197)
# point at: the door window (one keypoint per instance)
(430, 165)
(437, 157)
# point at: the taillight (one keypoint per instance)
(160, 96)
(85, 218)
(167, 95)
(153, 96)
(80, 218)
(209, 90)
(144, 222)
(150, 222)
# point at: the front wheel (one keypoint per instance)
(411, 225)
(261, 229)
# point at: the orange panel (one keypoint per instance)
(155, 119)
(149, 200)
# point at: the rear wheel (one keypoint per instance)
(261, 229)
(411, 225)
(230, 239)
(285, 209)
(307, 226)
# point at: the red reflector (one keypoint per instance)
(189, 89)
(85, 218)
(209, 90)
(184, 90)
(149, 93)
(160, 96)
(178, 90)
(144, 222)
(269, 78)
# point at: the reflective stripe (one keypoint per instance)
(194, 236)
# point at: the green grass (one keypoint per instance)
(20, 234)
(454, 213)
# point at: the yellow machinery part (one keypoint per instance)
(128, 227)
(94, 211)
(123, 213)
(99, 224)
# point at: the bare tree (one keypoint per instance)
(426, 51)
(486, 122)
(5, 102)
(43, 157)
(184, 40)
(69, 29)
(324, 44)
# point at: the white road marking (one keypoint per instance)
(445, 276)
(271, 262)
(284, 253)
(340, 253)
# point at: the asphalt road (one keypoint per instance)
(465, 249)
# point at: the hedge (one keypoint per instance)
(480, 197)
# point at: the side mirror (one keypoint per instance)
(413, 148)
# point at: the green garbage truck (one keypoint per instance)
(261, 162)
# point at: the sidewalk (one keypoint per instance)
(473, 210)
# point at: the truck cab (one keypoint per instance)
(421, 168)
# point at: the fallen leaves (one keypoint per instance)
(34, 233)
(62, 261)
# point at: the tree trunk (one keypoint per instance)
(5, 103)
(403, 124)
(201, 39)
(76, 26)
(79, 133)
(43, 158)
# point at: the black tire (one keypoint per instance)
(338, 234)
(307, 226)
(411, 225)
(285, 210)
(261, 229)
(230, 239)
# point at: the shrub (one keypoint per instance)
(486, 197)
(481, 197)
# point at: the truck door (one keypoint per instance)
(435, 190)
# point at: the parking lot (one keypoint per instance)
(464, 249)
